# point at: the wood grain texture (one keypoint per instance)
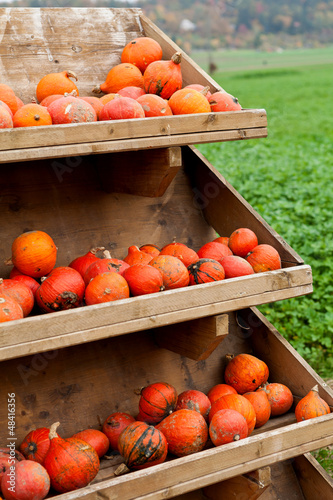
(314, 481)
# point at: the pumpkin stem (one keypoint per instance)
(176, 58)
(229, 357)
(33, 100)
(106, 254)
(53, 429)
(204, 91)
(97, 249)
(97, 89)
(73, 93)
(8, 262)
(36, 117)
(71, 74)
(315, 388)
(122, 469)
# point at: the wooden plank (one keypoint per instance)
(223, 207)
(313, 479)
(284, 484)
(204, 468)
(240, 122)
(142, 173)
(195, 339)
(75, 326)
(250, 486)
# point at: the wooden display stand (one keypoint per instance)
(80, 365)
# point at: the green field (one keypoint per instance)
(288, 178)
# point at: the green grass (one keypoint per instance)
(288, 177)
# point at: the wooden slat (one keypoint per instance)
(72, 327)
(313, 479)
(204, 468)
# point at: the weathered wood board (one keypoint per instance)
(89, 42)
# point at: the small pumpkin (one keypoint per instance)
(200, 88)
(28, 281)
(219, 390)
(181, 251)
(10, 309)
(174, 272)
(142, 446)
(82, 263)
(235, 402)
(143, 279)
(205, 271)
(107, 264)
(36, 444)
(242, 241)
(264, 258)
(8, 457)
(62, 289)
(153, 250)
(222, 101)
(186, 432)
(120, 76)
(261, 406)
(97, 439)
(95, 102)
(56, 83)
(114, 425)
(188, 101)
(71, 463)
(49, 99)
(7, 95)
(246, 373)
(311, 406)
(235, 266)
(20, 292)
(136, 256)
(227, 426)
(154, 105)
(32, 482)
(141, 52)
(214, 250)
(69, 109)
(193, 399)
(34, 253)
(106, 287)
(6, 121)
(279, 396)
(164, 77)
(156, 402)
(32, 115)
(124, 108)
(131, 91)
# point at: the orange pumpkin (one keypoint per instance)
(49, 99)
(106, 287)
(214, 250)
(142, 446)
(109, 97)
(235, 266)
(32, 115)
(205, 271)
(97, 439)
(62, 289)
(219, 390)
(157, 401)
(36, 444)
(95, 102)
(141, 52)
(136, 256)
(261, 406)
(182, 252)
(154, 105)
(153, 250)
(192, 399)
(164, 77)
(7, 95)
(10, 309)
(227, 426)
(120, 76)
(143, 279)
(264, 258)
(106, 265)
(242, 241)
(311, 406)
(188, 101)
(69, 109)
(31, 481)
(27, 280)
(246, 373)
(124, 108)
(18, 291)
(222, 239)
(131, 91)
(6, 121)
(56, 83)
(114, 425)
(235, 402)
(279, 397)
(222, 101)
(82, 262)
(186, 432)
(34, 253)
(5, 106)
(174, 272)
(200, 88)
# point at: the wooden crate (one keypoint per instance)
(79, 212)
(81, 385)
(35, 42)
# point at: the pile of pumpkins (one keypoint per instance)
(166, 424)
(142, 85)
(36, 285)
